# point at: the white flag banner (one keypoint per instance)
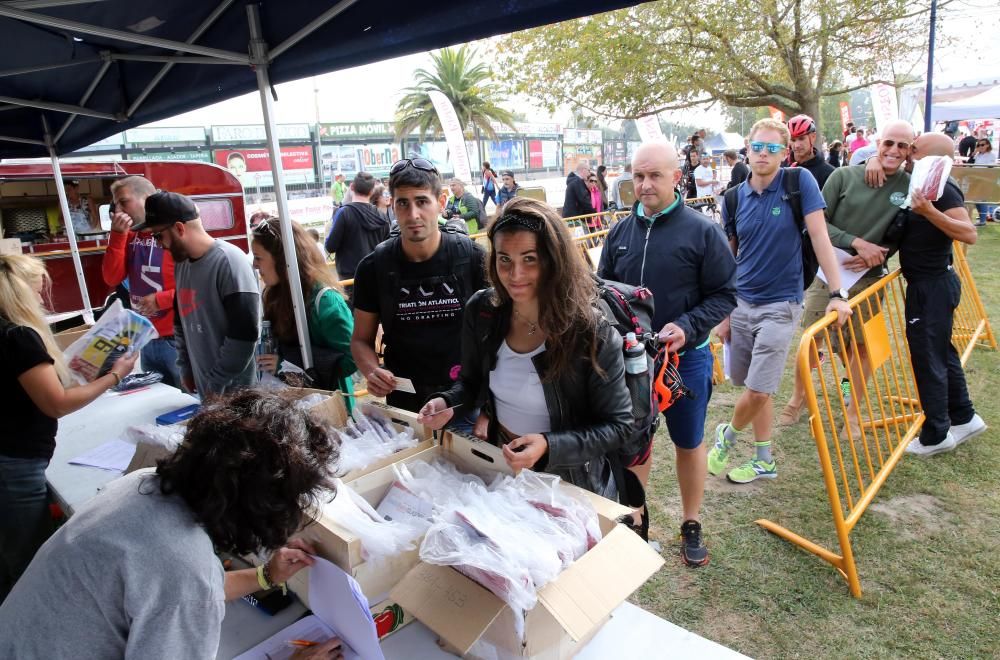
(452, 135)
(884, 105)
(649, 129)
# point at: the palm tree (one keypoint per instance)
(463, 81)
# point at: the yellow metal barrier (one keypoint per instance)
(972, 326)
(856, 458)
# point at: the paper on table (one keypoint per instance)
(113, 456)
(848, 278)
(336, 599)
(276, 647)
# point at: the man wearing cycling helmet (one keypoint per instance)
(803, 152)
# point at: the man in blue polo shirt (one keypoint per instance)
(682, 257)
(769, 293)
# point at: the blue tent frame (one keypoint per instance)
(77, 71)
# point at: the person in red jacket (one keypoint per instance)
(150, 272)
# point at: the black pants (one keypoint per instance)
(930, 309)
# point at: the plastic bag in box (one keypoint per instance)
(119, 332)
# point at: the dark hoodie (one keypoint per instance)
(357, 228)
(577, 201)
(819, 168)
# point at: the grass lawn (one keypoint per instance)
(926, 550)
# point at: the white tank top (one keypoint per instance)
(517, 391)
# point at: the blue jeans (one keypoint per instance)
(25, 522)
(985, 210)
(464, 424)
(686, 417)
(160, 356)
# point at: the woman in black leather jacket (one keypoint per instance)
(539, 359)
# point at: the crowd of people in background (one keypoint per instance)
(504, 343)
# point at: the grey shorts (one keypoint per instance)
(759, 341)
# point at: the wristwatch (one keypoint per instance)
(839, 293)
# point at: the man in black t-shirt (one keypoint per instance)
(932, 294)
(416, 285)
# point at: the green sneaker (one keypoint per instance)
(752, 470)
(718, 455)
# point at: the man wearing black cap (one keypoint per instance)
(217, 304)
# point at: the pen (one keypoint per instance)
(138, 389)
(441, 411)
(301, 642)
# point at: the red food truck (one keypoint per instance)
(30, 212)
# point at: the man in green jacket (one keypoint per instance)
(463, 204)
(338, 189)
(857, 217)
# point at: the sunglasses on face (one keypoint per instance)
(772, 147)
(419, 163)
(895, 143)
(982, 144)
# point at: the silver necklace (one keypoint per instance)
(532, 325)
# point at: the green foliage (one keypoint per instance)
(673, 54)
(458, 76)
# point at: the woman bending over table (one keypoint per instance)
(539, 359)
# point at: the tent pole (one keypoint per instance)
(259, 58)
(88, 315)
(929, 92)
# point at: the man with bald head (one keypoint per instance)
(577, 200)
(683, 258)
(932, 294)
(857, 218)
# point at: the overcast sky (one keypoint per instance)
(371, 92)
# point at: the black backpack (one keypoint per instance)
(810, 264)
(630, 309)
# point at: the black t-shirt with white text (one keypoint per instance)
(925, 250)
(27, 432)
(425, 336)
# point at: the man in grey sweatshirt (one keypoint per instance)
(217, 305)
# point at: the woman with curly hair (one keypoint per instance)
(538, 358)
(330, 321)
(36, 391)
(134, 573)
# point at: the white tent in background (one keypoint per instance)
(980, 106)
(723, 141)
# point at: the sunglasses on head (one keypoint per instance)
(891, 143)
(418, 163)
(772, 147)
(267, 226)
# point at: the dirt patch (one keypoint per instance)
(915, 516)
(720, 484)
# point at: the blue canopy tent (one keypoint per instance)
(77, 71)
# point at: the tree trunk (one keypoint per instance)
(810, 106)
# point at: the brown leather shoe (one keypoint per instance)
(791, 414)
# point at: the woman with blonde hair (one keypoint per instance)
(35, 390)
(330, 321)
(539, 359)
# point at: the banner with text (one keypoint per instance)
(253, 166)
(884, 105)
(845, 115)
(453, 135)
(649, 129)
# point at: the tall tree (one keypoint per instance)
(458, 76)
(674, 54)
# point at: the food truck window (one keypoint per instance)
(215, 214)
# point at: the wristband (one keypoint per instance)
(262, 579)
(118, 379)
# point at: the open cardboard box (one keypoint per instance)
(67, 337)
(570, 610)
(377, 580)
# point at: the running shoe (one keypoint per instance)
(753, 470)
(693, 550)
(972, 428)
(718, 455)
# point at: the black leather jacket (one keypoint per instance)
(590, 415)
